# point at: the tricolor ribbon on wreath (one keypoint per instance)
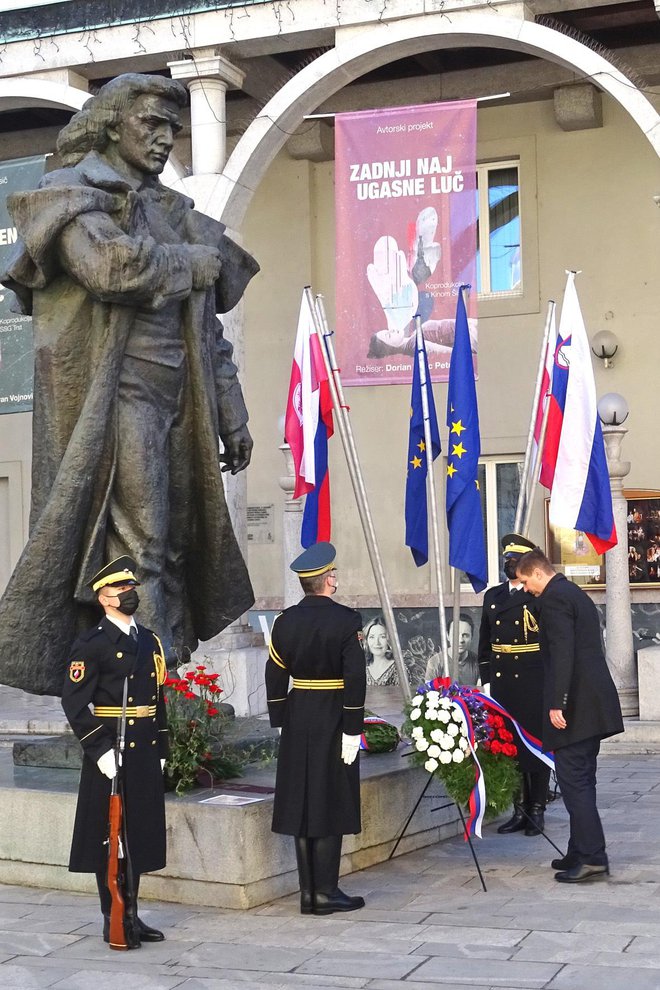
(477, 802)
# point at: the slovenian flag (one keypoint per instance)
(581, 497)
(308, 425)
(551, 382)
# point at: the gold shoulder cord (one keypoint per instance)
(159, 663)
(529, 622)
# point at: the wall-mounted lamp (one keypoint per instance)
(612, 409)
(604, 345)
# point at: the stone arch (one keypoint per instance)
(229, 196)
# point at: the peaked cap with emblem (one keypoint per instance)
(317, 559)
(515, 545)
(121, 570)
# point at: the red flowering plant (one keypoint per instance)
(448, 725)
(197, 725)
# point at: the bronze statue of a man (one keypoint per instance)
(134, 383)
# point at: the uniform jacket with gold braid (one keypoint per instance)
(510, 659)
(316, 643)
(100, 661)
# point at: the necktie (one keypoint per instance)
(133, 633)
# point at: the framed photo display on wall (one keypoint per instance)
(572, 554)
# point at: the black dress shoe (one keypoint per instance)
(535, 822)
(148, 934)
(583, 871)
(516, 823)
(337, 901)
(565, 863)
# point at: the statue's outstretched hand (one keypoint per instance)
(206, 263)
(238, 450)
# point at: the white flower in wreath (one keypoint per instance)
(457, 715)
(415, 713)
(458, 756)
(447, 742)
(417, 732)
(443, 716)
(436, 735)
(453, 729)
(434, 751)
(463, 729)
(463, 745)
(445, 757)
(432, 714)
(431, 765)
(422, 745)
(432, 699)
(417, 700)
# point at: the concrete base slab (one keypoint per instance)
(222, 854)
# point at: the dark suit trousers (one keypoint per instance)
(576, 774)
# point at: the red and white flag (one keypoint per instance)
(553, 427)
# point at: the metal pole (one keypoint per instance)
(456, 628)
(527, 468)
(343, 422)
(430, 484)
(533, 479)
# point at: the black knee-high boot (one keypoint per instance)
(518, 821)
(538, 792)
(305, 874)
(327, 897)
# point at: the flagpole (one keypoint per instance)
(343, 422)
(456, 610)
(430, 483)
(534, 481)
(528, 468)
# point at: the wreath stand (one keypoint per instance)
(465, 831)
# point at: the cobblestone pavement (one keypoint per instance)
(427, 922)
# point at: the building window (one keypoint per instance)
(499, 247)
(499, 484)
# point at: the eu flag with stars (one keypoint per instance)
(467, 548)
(417, 527)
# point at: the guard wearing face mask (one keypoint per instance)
(317, 643)
(510, 661)
(101, 660)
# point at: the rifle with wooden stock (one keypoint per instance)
(123, 925)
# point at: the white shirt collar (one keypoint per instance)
(124, 626)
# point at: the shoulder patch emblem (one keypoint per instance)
(77, 670)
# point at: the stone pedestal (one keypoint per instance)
(239, 655)
(648, 670)
(620, 653)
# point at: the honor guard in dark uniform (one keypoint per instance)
(101, 660)
(317, 643)
(510, 662)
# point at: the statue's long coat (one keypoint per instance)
(83, 309)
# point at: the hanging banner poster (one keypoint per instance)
(406, 211)
(16, 347)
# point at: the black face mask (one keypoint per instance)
(128, 601)
(510, 568)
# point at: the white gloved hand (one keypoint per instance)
(349, 748)
(485, 689)
(162, 765)
(107, 764)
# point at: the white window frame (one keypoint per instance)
(520, 150)
(484, 230)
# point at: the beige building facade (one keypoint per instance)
(580, 125)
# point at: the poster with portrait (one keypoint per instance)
(16, 349)
(405, 195)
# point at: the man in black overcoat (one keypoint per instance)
(317, 643)
(101, 659)
(582, 707)
(510, 663)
